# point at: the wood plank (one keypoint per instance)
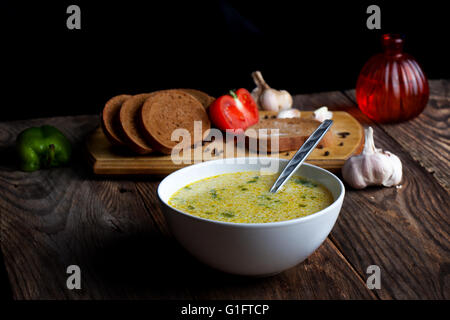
(5, 287)
(28, 261)
(54, 218)
(404, 231)
(114, 230)
(109, 160)
(427, 137)
(324, 275)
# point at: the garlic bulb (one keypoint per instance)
(323, 114)
(372, 167)
(268, 98)
(289, 113)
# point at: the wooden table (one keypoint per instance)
(114, 230)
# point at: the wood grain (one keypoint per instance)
(324, 275)
(404, 231)
(114, 230)
(427, 137)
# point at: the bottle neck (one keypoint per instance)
(392, 44)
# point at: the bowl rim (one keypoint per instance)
(312, 216)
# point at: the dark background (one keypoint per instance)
(134, 47)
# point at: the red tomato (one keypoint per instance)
(234, 111)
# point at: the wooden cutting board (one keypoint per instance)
(348, 139)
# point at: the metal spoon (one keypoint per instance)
(301, 155)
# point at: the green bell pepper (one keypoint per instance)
(42, 147)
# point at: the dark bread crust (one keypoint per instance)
(167, 110)
(110, 121)
(204, 98)
(293, 133)
(129, 121)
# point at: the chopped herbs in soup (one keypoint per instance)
(244, 197)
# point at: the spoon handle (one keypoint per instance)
(301, 155)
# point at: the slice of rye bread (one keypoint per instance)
(129, 122)
(293, 133)
(204, 98)
(110, 119)
(168, 110)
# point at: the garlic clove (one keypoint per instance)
(267, 98)
(289, 113)
(352, 175)
(372, 167)
(255, 94)
(285, 100)
(323, 114)
(269, 101)
(396, 175)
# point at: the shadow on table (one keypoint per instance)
(154, 266)
(5, 288)
(8, 160)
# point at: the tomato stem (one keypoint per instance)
(233, 94)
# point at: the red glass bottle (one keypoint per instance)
(391, 86)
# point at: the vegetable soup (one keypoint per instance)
(244, 197)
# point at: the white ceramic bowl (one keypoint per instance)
(254, 249)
